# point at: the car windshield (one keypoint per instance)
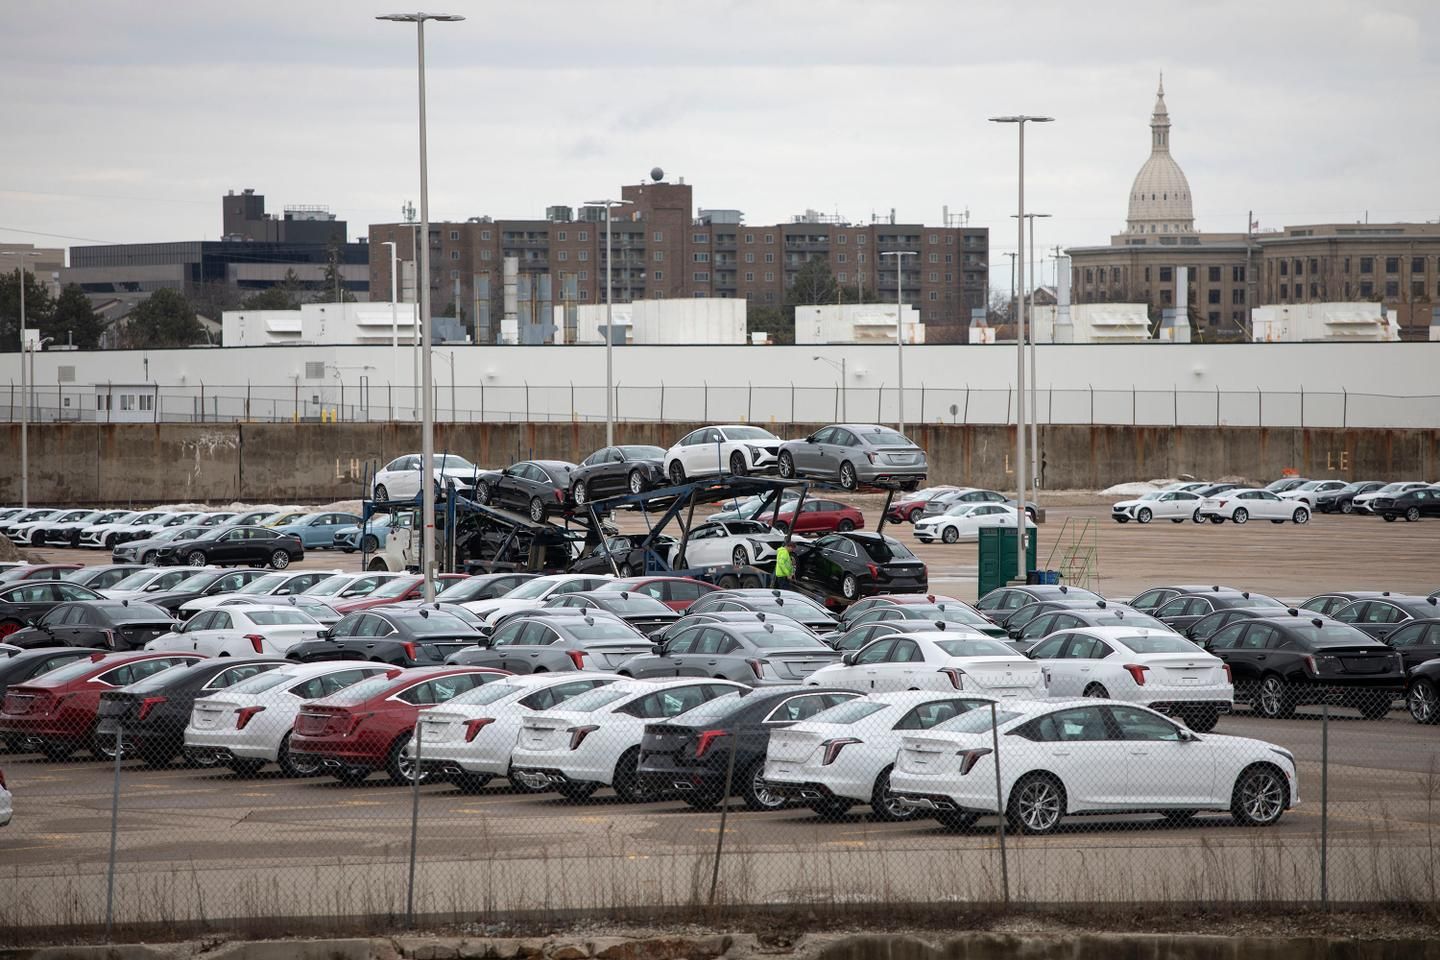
(395, 588)
(449, 461)
(196, 581)
(635, 604)
(642, 453)
(136, 580)
(952, 613)
(531, 589)
(792, 605)
(1392, 487)
(156, 681)
(133, 612)
(329, 586)
(1158, 643)
(270, 618)
(362, 691)
(887, 438)
(884, 550)
(714, 710)
(263, 584)
(1332, 635)
(435, 623)
(848, 712)
(749, 433)
(602, 630)
(746, 527)
(181, 533)
(1119, 619)
(595, 699)
(975, 721)
(1355, 487)
(974, 648)
(1256, 600)
(783, 638)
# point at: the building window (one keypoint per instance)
(859, 258)
(934, 295)
(934, 258)
(860, 239)
(702, 257)
(584, 235)
(659, 274)
(839, 258)
(484, 254)
(659, 256)
(949, 277)
(934, 276)
(1214, 296)
(770, 297)
(484, 234)
(1214, 274)
(1165, 296)
(454, 274)
(1237, 297)
(1417, 264)
(842, 276)
(562, 256)
(659, 236)
(749, 258)
(1237, 274)
(1367, 290)
(454, 254)
(749, 276)
(1299, 267)
(769, 258)
(1392, 264)
(934, 239)
(583, 275)
(1284, 291)
(841, 238)
(1167, 274)
(1392, 289)
(949, 239)
(1314, 266)
(769, 238)
(1089, 278)
(561, 235)
(769, 276)
(1147, 274)
(1284, 268)
(454, 234)
(1213, 318)
(1367, 264)
(584, 294)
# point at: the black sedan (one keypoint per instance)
(614, 471)
(1412, 505)
(1017, 620)
(1002, 602)
(622, 555)
(1343, 500)
(151, 714)
(535, 487)
(1210, 624)
(102, 576)
(403, 637)
(1417, 642)
(234, 546)
(24, 602)
(1112, 615)
(787, 603)
(205, 583)
(1278, 663)
(485, 586)
(859, 563)
(97, 624)
(1422, 697)
(691, 754)
(1180, 613)
(1156, 597)
(28, 664)
(644, 613)
(857, 637)
(1329, 603)
(1378, 616)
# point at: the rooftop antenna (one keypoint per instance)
(407, 210)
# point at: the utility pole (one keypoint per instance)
(1012, 286)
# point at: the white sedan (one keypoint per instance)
(149, 580)
(1309, 491)
(469, 740)
(534, 593)
(400, 478)
(842, 756)
(1244, 505)
(728, 448)
(242, 631)
(278, 584)
(1158, 668)
(964, 520)
(248, 725)
(1088, 757)
(1176, 506)
(967, 660)
(741, 542)
(594, 741)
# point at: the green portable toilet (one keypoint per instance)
(997, 557)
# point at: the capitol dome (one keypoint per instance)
(1160, 196)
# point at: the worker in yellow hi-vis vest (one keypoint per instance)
(784, 565)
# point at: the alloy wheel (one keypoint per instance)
(1302, 515)
(637, 482)
(738, 466)
(950, 535)
(381, 493)
(1262, 797)
(1412, 514)
(1241, 515)
(279, 560)
(1038, 805)
(1144, 516)
(847, 476)
(579, 492)
(850, 587)
(1423, 702)
(1272, 697)
(786, 466)
(537, 509)
(196, 559)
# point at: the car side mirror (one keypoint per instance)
(324, 634)
(658, 649)
(1012, 634)
(484, 642)
(848, 659)
(1187, 735)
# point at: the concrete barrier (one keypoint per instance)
(218, 463)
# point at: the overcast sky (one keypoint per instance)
(126, 120)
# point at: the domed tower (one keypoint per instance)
(1160, 196)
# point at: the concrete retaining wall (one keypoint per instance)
(298, 462)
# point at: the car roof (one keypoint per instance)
(1120, 631)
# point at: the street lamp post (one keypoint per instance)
(1034, 380)
(450, 357)
(844, 386)
(427, 400)
(900, 256)
(394, 321)
(609, 325)
(25, 381)
(1021, 531)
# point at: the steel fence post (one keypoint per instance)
(572, 401)
(527, 401)
(1092, 403)
(1302, 406)
(114, 831)
(965, 419)
(1344, 408)
(415, 777)
(1325, 805)
(1000, 806)
(1259, 407)
(922, 402)
(724, 817)
(749, 401)
(705, 413)
(879, 401)
(202, 401)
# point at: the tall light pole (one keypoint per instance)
(25, 384)
(394, 319)
(900, 256)
(422, 307)
(1021, 531)
(1034, 403)
(844, 386)
(609, 325)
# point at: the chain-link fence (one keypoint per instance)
(169, 788)
(367, 401)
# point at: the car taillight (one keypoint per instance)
(243, 715)
(559, 495)
(256, 641)
(577, 657)
(833, 748)
(1310, 664)
(1229, 677)
(355, 721)
(757, 667)
(578, 735)
(874, 570)
(968, 758)
(409, 648)
(473, 727)
(1137, 673)
(109, 638)
(956, 675)
(148, 704)
(706, 739)
(2, 778)
(1220, 503)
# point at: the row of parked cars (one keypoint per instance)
(1290, 498)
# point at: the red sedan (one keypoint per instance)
(819, 516)
(57, 712)
(911, 506)
(39, 571)
(677, 593)
(397, 590)
(365, 727)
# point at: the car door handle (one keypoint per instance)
(1060, 753)
(713, 662)
(1261, 657)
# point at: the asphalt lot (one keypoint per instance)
(196, 843)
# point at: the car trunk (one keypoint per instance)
(1005, 676)
(893, 570)
(441, 727)
(1357, 661)
(211, 714)
(436, 649)
(799, 664)
(322, 721)
(28, 701)
(127, 707)
(931, 756)
(651, 624)
(797, 746)
(550, 731)
(897, 456)
(609, 655)
(283, 637)
(1181, 669)
(669, 740)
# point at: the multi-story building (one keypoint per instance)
(661, 249)
(43, 263)
(1230, 273)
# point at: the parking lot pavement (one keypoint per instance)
(195, 837)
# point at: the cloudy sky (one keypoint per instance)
(126, 120)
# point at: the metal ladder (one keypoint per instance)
(1078, 552)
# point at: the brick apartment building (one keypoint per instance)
(663, 249)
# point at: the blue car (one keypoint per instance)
(317, 530)
(348, 538)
